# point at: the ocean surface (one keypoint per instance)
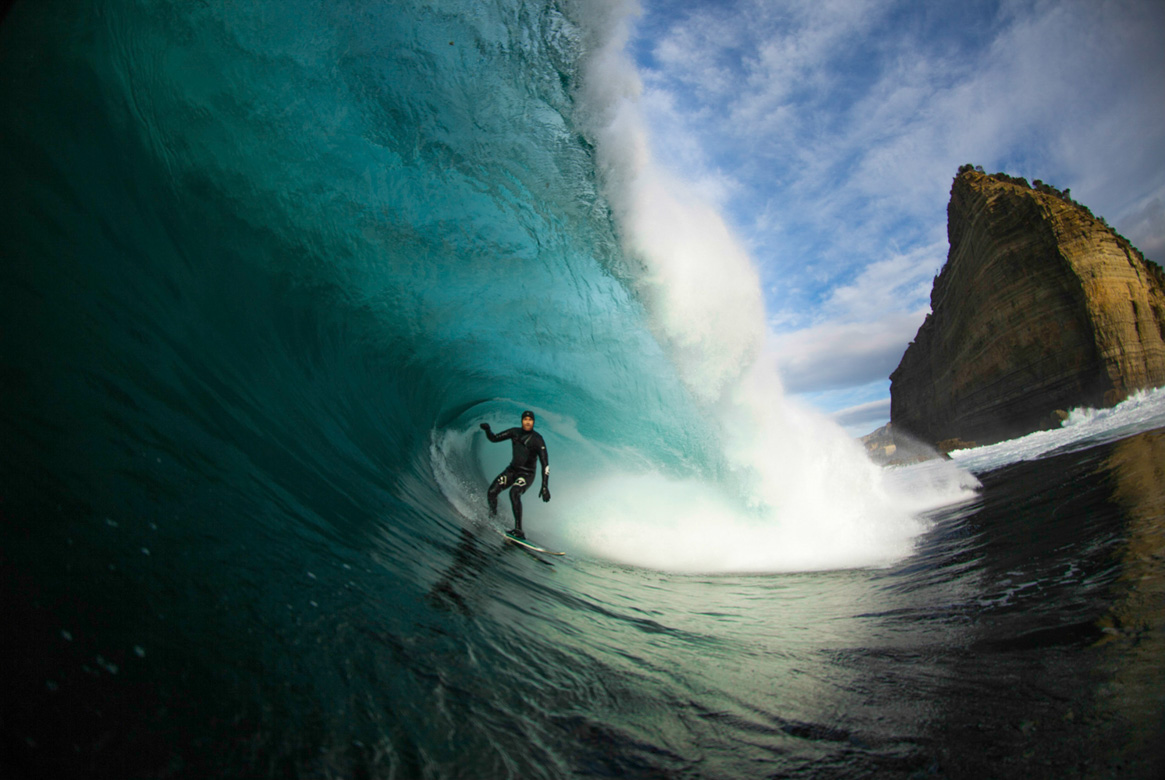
(265, 269)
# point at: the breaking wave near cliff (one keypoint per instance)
(775, 486)
(268, 267)
(389, 226)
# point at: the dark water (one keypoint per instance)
(1023, 638)
(258, 260)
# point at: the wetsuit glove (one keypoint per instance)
(545, 493)
(485, 427)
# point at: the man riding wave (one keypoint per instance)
(519, 475)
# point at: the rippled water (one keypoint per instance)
(1023, 637)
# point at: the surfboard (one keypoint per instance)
(528, 546)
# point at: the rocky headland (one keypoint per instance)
(1041, 307)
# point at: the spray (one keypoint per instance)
(797, 493)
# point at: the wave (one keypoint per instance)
(320, 246)
(1083, 429)
(267, 267)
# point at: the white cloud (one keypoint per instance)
(864, 326)
(836, 355)
(680, 149)
(864, 417)
(793, 41)
(899, 282)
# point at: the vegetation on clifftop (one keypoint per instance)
(1065, 195)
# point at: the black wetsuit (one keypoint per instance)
(519, 475)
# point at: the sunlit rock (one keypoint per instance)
(1040, 307)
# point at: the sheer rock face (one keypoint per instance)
(1040, 307)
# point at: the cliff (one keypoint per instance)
(1040, 307)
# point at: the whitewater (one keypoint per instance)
(783, 488)
(267, 267)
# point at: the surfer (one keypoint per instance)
(519, 475)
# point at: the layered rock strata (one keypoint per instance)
(1040, 307)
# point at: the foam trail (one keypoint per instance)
(796, 492)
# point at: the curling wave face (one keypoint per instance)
(330, 241)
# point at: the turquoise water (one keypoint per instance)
(266, 268)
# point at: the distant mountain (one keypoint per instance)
(1041, 307)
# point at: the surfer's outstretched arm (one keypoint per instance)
(496, 437)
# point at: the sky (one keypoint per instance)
(828, 132)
